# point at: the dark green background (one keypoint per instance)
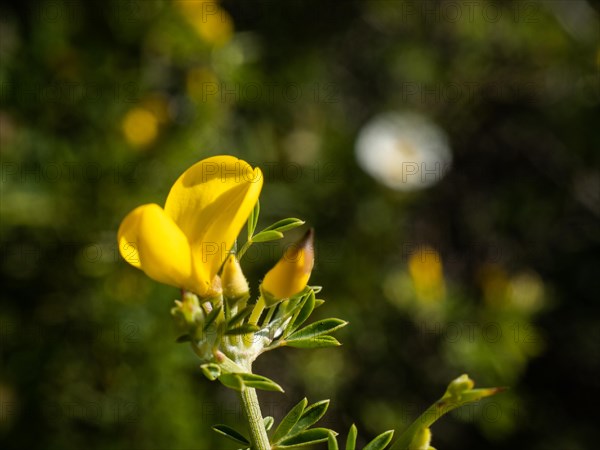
(88, 358)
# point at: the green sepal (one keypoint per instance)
(351, 439)
(381, 441)
(265, 236)
(211, 371)
(310, 416)
(307, 437)
(230, 433)
(316, 329)
(290, 419)
(243, 329)
(232, 301)
(314, 342)
(240, 381)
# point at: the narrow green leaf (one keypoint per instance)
(253, 220)
(305, 312)
(332, 443)
(314, 342)
(381, 441)
(239, 381)
(290, 419)
(316, 289)
(319, 328)
(210, 318)
(285, 224)
(259, 382)
(351, 439)
(240, 316)
(243, 329)
(265, 236)
(232, 434)
(211, 371)
(318, 302)
(268, 421)
(307, 437)
(310, 416)
(183, 338)
(232, 381)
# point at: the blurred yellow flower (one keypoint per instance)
(201, 84)
(185, 243)
(291, 273)
(140, 127)
(211, 22)
(426, 272)
(494, 284)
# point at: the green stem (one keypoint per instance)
(244, 249)
(251, 407)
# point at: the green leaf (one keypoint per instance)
(243, 329)
(253, 220)
(305, 312)
(351, 439)
(210, 318)
(459, 392)
(211, 371)
(316, 289)
(332, 442)
(285, 224)
(232, 434)
(239, 381)
(268, 421)
(260, 382)
(314, 342)
(381, 441)
(183, 338)
(318, 302)
(232, 381)
(319, 328)
(290, 419)
(307, 437)
(265, 236)
(310, 416)
(240, 316)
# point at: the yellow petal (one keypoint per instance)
(291, 274)
(152, 242)
(210, 202)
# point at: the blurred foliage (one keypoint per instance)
(493, 271)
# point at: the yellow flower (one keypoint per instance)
(427, 273)
(185, 243)
(290, 275)
(140, 127)
(211, 22)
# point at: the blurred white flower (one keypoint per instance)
(404, 151)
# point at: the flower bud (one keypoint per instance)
(459, 386)
(233, 280)
(291, 273)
